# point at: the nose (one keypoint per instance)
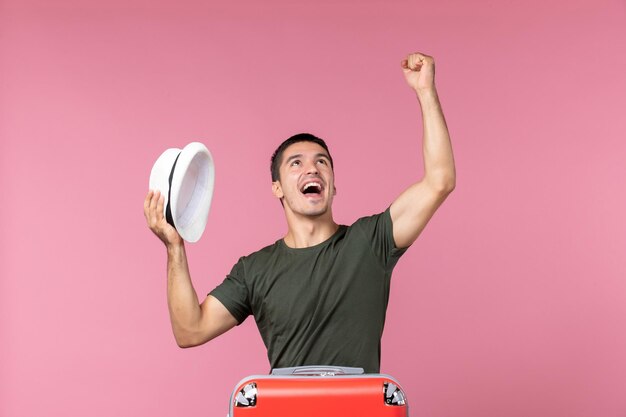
(311, 168)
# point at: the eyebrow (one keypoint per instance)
(299, 155)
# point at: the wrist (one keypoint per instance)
(427, 93)
(175, 248)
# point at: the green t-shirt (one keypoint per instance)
(322, 305)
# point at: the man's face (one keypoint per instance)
(307, 183)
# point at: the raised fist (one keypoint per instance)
(419, 71)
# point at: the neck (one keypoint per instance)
(305, 232)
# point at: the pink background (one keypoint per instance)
(512, 302)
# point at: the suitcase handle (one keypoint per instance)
(316, 370)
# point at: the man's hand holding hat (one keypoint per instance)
(153, 210)
(184, 181)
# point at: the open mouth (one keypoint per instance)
(312, 188)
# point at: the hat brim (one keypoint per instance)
(160, 174)
(191, 190)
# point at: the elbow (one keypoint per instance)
(441, 181)
(186, 340)
(184, 344)
(444, 186)
(450, 186)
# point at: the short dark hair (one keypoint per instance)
(300, 137)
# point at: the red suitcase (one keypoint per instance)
(318, 391)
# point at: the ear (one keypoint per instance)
(334, 190)
(277, 189)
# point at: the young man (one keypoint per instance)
(319, 294)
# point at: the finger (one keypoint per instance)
(159, 208)
(412, 62)
(425, 59)
(417, 62)
(151, 202)
(404, 64)
(148, 197)
(153, 207)
(146, 203)
(419, 55)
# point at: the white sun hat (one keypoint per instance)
(185, 178)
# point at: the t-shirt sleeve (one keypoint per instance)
(378, 229)
(233, 293)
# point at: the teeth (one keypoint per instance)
(312, 184)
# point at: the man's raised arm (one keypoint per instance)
(192, 323)
(412, 210)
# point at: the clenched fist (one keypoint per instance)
(419, 72)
